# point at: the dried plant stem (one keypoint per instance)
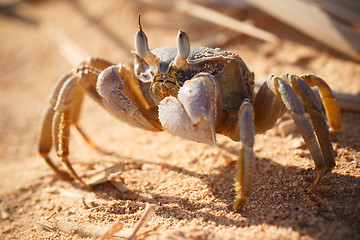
(86, 230)
(149, 210)
(207, 14)
(316, 23)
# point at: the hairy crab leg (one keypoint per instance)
(69, 96)
(245, 163)
(45, 135)
(67, 113)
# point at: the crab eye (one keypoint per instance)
(183, 45)
(141, 44)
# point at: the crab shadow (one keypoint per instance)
(279, 198)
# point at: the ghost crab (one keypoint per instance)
(195, 93)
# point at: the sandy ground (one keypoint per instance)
(189, 183)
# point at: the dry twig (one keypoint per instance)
(149, 210)
(207, 14)
(86, 230)
(116, 227)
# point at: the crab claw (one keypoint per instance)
(193, 114)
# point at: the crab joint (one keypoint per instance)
(142, 48)
(183, 47)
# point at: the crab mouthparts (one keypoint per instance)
(162, 89)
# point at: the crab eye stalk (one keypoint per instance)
(141, 44)
(183, 47)
(142, 48)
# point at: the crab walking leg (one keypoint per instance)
(293, 104)
(89, 141)
(268, 108)
(66, 108)
(45, 135)
(76, 107)
(328, 99)
(86, 74)
(317, 118)
(275, 88)
(193, 114)
(244, 165)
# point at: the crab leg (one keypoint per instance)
(64, 109)
(244, 165)
(317, 118)
(268, 108)
(297, 112)
(328, 99)
(287, 94)
(45, 136)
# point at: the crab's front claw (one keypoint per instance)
(111, 86)
(192, 115)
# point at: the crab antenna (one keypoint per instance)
(183, 47)
(142, 47)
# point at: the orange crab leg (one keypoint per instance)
(329, 101)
